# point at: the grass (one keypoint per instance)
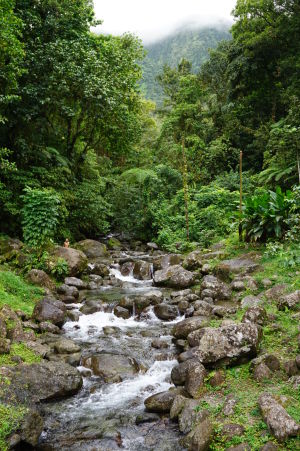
(17, 293)
(10, 419)
(21, 350)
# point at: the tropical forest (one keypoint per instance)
(149, 229)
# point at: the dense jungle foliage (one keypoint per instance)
(83, 153)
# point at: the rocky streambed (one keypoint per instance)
(128, 347)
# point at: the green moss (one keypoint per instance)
(10, 419)
(21, 350)
(17, 293)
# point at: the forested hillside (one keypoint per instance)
(192, 44)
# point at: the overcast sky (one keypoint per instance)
(154, 19)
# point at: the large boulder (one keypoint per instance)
(112, 367)
(45, 381)
(92, 249)
(174, 276)
(215, 288)
(164, 261)
(76, 260)
(188, 325)
(40, 278)
(227, 345)
(193, 260)
(244, 264)
(49, 309)
(162, 402)
(279, 422)
(290, 301)
(142, 270)
(191, 374)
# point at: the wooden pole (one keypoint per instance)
(241, 197)
(185, 190)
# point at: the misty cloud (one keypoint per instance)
(152, 20)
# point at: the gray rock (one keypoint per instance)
(45, 381)
(66, 346)
(291, 368)
(31, 427)
(142, 270)
(262, 372)
(162, 402)
(180, 293)
(241, 447)
(159, 344)
(270, 360)
(4, 346)
(231, 430)
(218, 289)
(256, 315)
(174, 276)
(276, 292)
(70, 291)
(228, 344)
(290, 301)
(269, 446)
(76, 260)
(279, 422)
(166, 312)
(185, 327)
(152, 246)
(121, 312)
(40, 278)
(75, 282)
(202, 434)
(112, 367)
(195, 377)
(229, 405)
(189, 416)
(147, 417)
(49, 309)
(92, 249)
(193, 260)
(251, 301)
(244, 264)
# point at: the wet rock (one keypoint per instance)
(66, 346)
(256, 315)
(121, 312)
(279, 422)
(45, 381)
(76, 260)
(112, 367)
(99, 269)
(174, 276)
(69, 291)
(290, 301)
(228, 344)
(159, 344)
(162, 402)
(49, 309)
(73, 315)
(185, 327)
(31, 428)
(152, 246)
(92, 249)
(91, 307)
(180, 372)
(244, 264)
(251, 301)
(114, 244)
(142, 270)
(262, 372)
(40, 278)
(147, 418)
(109, 330)
(166, 312)
(49, 327)
(153, 296)
(127, 303)
(75, 282)
(218, 289)
(232, 430)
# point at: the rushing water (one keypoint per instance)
(103, 416)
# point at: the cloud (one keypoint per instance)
(155, 19)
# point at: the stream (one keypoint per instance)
(110, 416)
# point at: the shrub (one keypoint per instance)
(267, 215)
(41, 212)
